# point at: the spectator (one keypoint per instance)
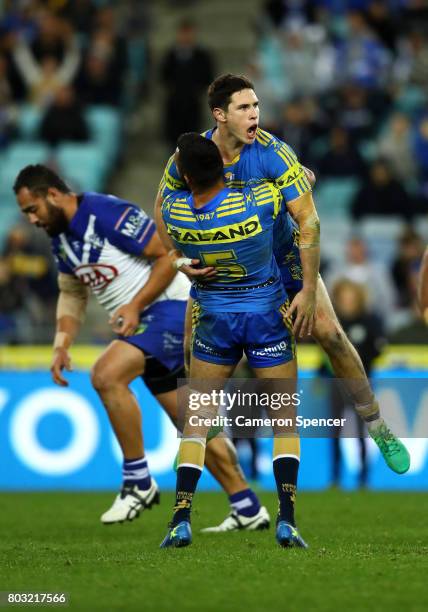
(342, 158)
(32, 283)
(295, 128)
(64, 119)
(356, 111)
(366, 333)
(373, 276)
(11, 301)
(102, 78)
(361, 57)
(395, 146)
(414, 14)
(411, 64)
(382, 195)
(383, 22)
(421, 146)
(8, 110)
(81, 13)
(50, 62)
(186, 70)
(281, 12)
(406, 266)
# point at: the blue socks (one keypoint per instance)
(245, 503)
(136, 472)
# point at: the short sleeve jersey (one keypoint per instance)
(267, 159)
(103, 247)
(234, 233)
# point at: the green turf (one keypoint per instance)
(369, 551)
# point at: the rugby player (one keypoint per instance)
(242, 309)
(423, 287)
(251, 155)
(112, 247)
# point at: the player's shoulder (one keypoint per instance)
(265, 139)
(101, 203)
(272, 145)
(177, 198)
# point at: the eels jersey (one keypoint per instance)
(233, 233)
(103, 247)
(267, 159)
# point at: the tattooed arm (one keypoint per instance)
(304, 213)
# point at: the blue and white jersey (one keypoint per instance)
(103, 247)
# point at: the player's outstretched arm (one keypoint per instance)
(126, 318)
(304, 213)
(423, 287)
(70, 313)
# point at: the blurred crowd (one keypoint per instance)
(61, 55)
(70, 71)
(346, 85)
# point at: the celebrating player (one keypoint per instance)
(423, 286)
(251, 155)
(241, 309)
(112, 247)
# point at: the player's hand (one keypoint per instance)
(60, 361)
(200, 274)
(310, 175)
(126, 319)
(303, 308)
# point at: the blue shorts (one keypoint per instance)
(224, 336)
(291, 271)
(161, 333)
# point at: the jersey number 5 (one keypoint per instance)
(227, 271)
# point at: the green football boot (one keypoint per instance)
(394, 452)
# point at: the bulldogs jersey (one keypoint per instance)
(103, 247)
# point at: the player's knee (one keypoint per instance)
(102, 379)
(331, 337)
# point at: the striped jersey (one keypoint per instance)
(233, 232)
(267, 159)
(103, 247)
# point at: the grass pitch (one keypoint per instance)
(369, 551)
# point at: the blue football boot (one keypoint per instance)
(288, 536)
(178, 536)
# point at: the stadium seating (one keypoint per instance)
(83, 165)
(381, 235)
(334, 236)
(334, 197)
(29, 121)
(105, 128)
(33, 152)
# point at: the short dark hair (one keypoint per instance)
(38, 179)
(199, 159)
(223, 87)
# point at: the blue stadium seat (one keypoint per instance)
(10, 215)
(33, 152)
(105, 128)
(29, 121)
(8, 172)
(334, 236)
(334, 197)
(83, 165)
(17, 156)
(381, 236)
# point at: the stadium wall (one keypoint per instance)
(60, 438)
